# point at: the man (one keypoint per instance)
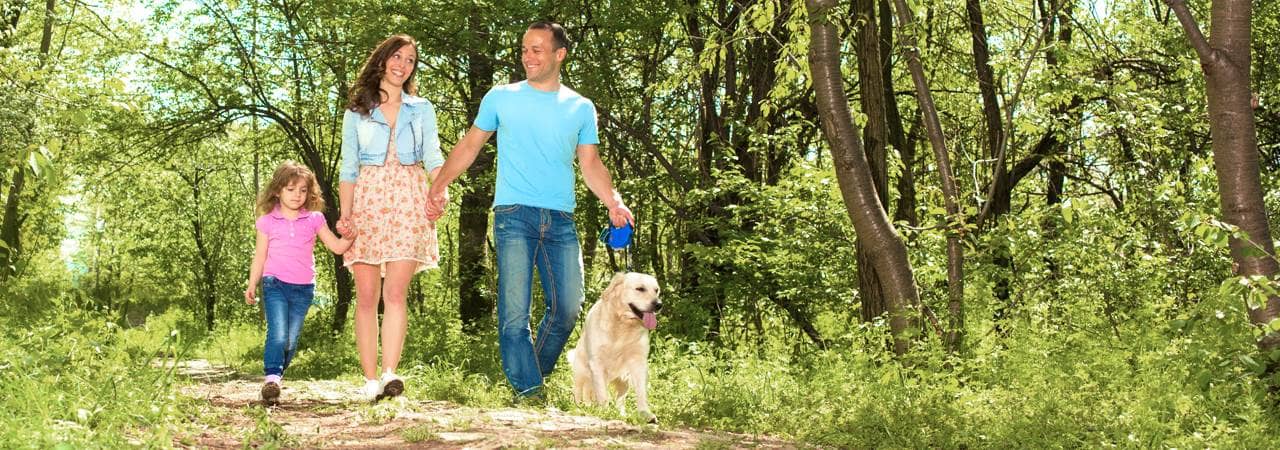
(542, 126)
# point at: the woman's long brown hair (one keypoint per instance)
(366, 93)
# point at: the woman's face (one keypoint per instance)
(399, 65)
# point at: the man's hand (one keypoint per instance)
(620, 215)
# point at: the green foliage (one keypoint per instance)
(419, 433)
(68, 378)
(266, 433)
(1123, 323)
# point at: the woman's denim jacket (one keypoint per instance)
(365, 138)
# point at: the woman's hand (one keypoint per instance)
(436, 203)
(345, 227)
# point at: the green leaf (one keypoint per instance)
(34, 163)
(1231, 287)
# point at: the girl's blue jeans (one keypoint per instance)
(285, 305)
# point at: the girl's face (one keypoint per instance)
(399, 65)
(294, 195)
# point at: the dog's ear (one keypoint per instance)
(615, 285)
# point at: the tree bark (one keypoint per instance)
(871, 99)
(954, 336)
(853, 174)
(905, 209)
(11, 227)
(11, 231)
(998, 198)
(1225, 60)
(473, 216)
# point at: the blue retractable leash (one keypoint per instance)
(619, 238)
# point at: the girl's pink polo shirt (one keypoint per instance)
(291, 245)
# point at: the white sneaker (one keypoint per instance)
(392, 385)
(371, 391)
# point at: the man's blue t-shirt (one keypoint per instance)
(538, 136)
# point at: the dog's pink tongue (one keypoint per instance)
(650, 320)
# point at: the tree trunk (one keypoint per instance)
(998, 199)
(955, 221)
(208, 277)
(905, 209)
(871, 99)
(205, 268)
(1224, 57)
(11, 227)
(709, 141)
(853, 174)
(11, 231)
(473, 216)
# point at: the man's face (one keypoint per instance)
(540, 56)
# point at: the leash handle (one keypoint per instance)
(620, 238)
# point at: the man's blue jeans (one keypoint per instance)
(528, 237)
(285, 305)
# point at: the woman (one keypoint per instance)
(388, 136)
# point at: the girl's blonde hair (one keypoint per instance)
(288, 173)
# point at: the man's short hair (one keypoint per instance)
(557, 32)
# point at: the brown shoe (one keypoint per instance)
(270, 393)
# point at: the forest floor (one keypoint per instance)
(327, 414)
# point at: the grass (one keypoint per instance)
(267, 433)
(69, 378)
(70, 381)
(420, 433)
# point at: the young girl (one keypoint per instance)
(283, 260)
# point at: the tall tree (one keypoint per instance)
(853, 173)
(280, 76)
(1225, 60)
(871, 98)
(950, 195)
(473, 216)
(12, 219)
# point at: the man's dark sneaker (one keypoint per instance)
(534, 397)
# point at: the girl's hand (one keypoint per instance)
(249, 295)
(344, 226)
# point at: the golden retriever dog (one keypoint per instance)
(613, 348)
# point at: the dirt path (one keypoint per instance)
(326, 414)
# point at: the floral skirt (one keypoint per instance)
(389, 212)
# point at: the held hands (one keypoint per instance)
(437, 201)
(345, 227)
